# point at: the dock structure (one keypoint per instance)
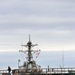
(45, 71)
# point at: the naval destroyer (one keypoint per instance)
(30, 67)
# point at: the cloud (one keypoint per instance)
(48, 21)
(32, 19)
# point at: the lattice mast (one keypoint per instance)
(29, 45)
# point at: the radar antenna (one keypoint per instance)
(29, 45)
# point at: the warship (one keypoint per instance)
(30, 66)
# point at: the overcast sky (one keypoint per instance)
(51, 58)
(51, 24)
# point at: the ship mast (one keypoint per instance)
(29, 45)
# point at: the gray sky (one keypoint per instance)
(51, 58)
(51, 24)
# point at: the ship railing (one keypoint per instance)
(3, 71)
(58, 70)
(47, 71)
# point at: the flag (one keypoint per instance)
(37, 54)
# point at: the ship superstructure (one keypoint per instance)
(30, 65)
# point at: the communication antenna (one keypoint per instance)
(62, 58)
(29, 52)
